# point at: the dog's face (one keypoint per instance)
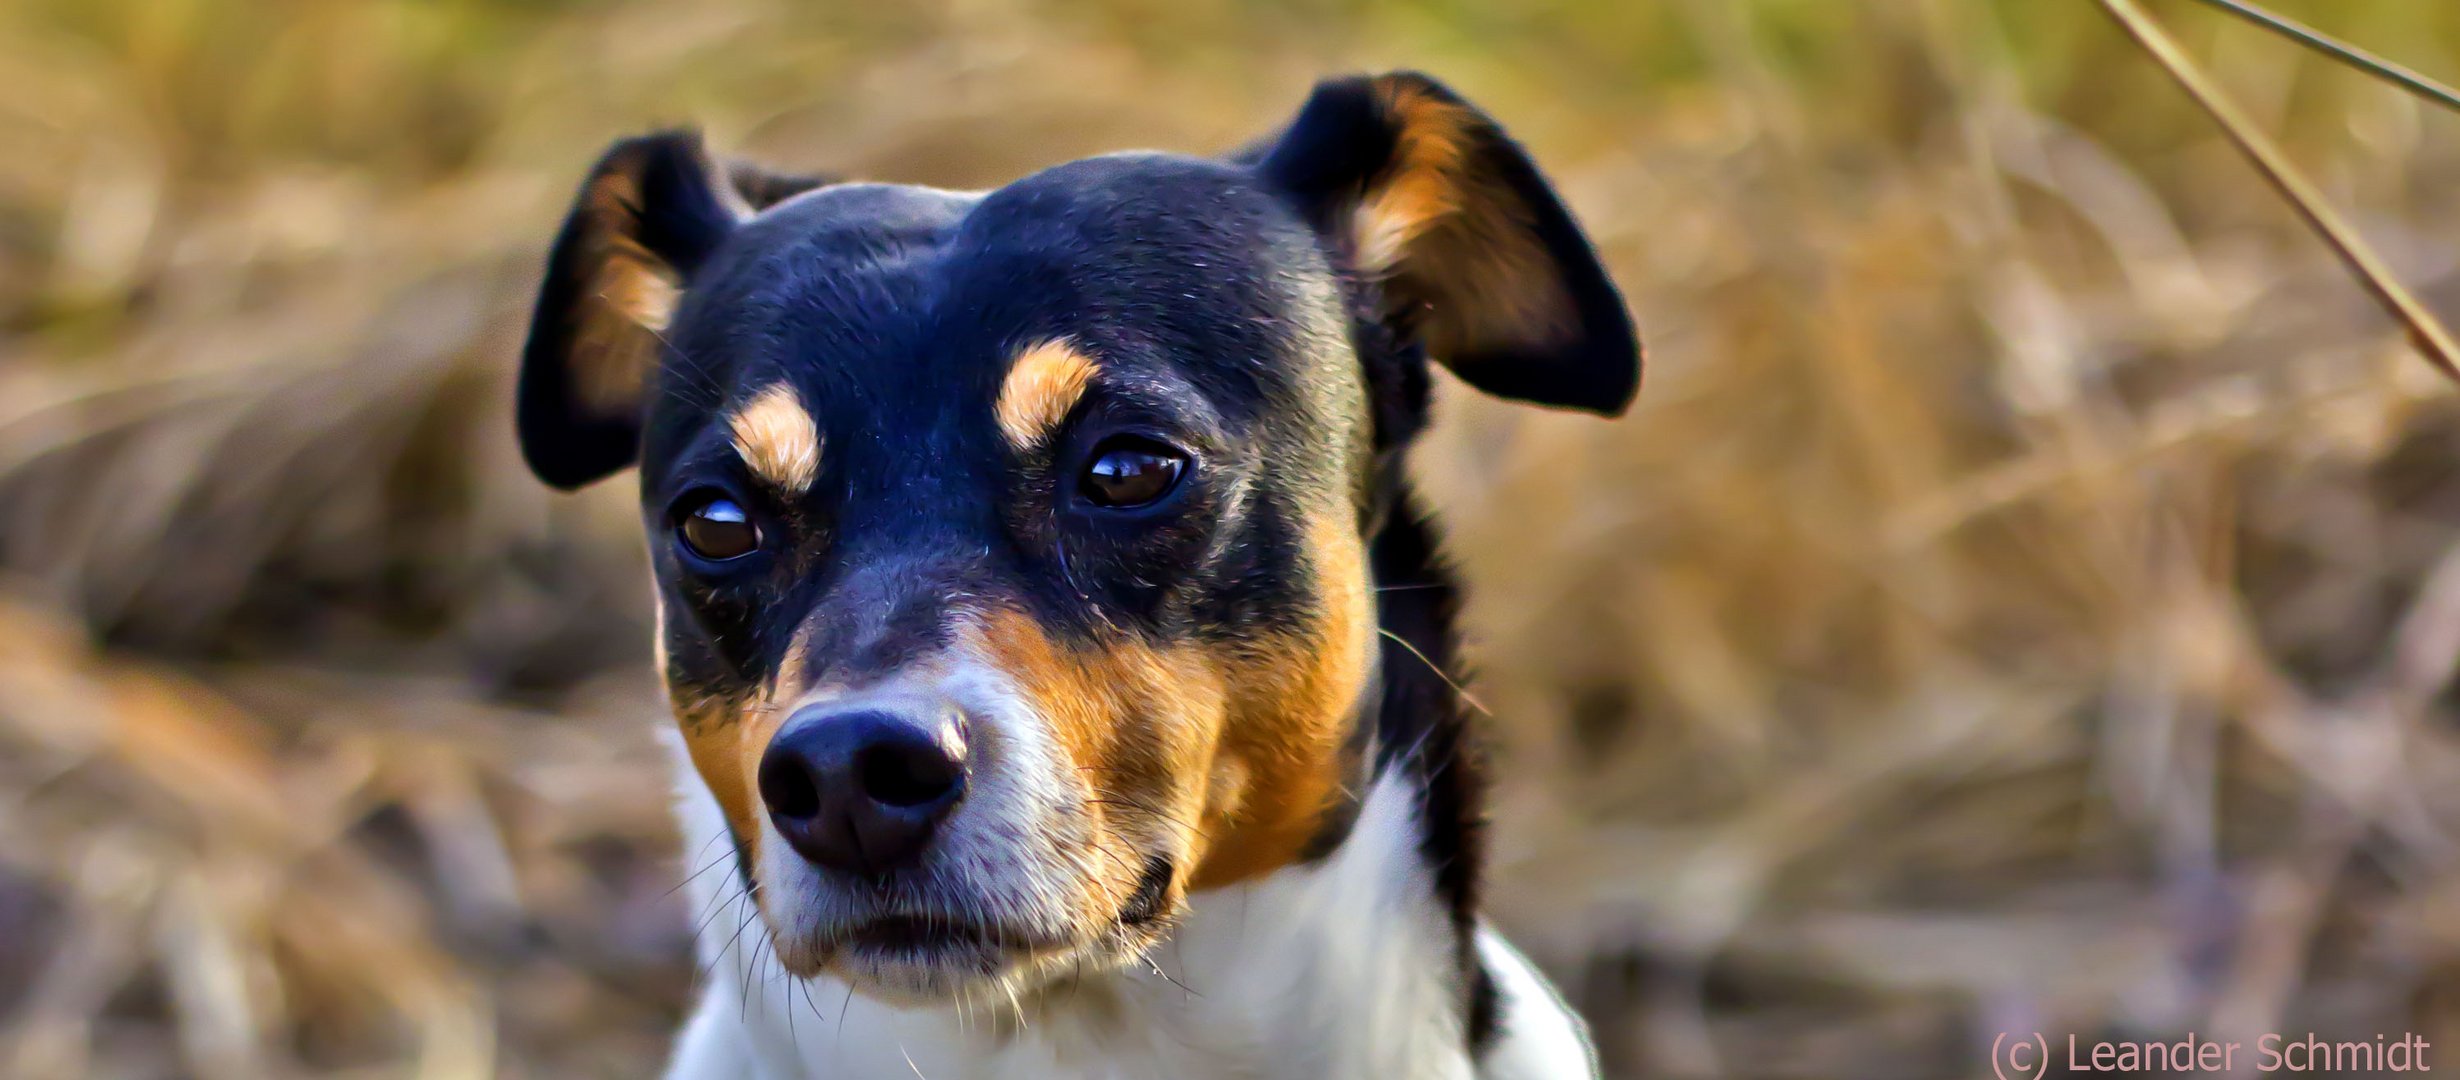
(1012, 546)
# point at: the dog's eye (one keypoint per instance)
(1128, 472)
(717, 529)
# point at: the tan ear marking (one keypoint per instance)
(1046, 381)
(630, 296)
(1426, 177)
(777, 440)
(1440, 227)
(644, 294)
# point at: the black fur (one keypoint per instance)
(1152, 893)
(1423, 729)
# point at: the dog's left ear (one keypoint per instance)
(1476, 257)
(652, 211)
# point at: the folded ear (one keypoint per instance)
(651, 212)
(1476, 257)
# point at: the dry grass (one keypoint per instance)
(2026, 598)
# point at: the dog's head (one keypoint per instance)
(1010, 545)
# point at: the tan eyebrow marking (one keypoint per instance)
(776, 438)
(1046, 381)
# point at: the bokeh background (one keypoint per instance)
(2025, 599)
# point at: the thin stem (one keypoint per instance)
(2425, 331)
(2344, 52)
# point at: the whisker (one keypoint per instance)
(716, 904)
(1147, 957)
(1439, 672)
(1014, 1005)
(705, 868)
(744, 1004)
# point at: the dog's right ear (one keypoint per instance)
(1471, 251)
(649, 215)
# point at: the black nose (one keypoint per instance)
(861, 792)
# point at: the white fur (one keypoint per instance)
(1338, 969)
(1542, 1036)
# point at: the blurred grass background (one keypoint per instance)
(2025, 599)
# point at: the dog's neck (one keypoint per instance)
(1360, 962)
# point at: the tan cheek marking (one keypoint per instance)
(775, 437)
(714, 734)
(726, 734)
(1282, 765)
(1245, 743)
(725, 737)
(1136, 726)
(1047, 380)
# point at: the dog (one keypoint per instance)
(1064, 671)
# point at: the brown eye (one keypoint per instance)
(718, 530)
(1128, 473)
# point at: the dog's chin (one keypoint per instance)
(910, 963)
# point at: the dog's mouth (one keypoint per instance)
(922, 958)
(928, 954)
(916, 938)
